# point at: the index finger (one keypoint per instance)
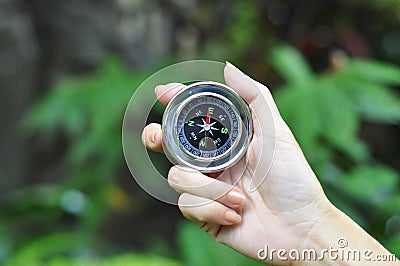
(247, 88)
(166, 92)
(253, 92)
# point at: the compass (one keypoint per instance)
(206, 126)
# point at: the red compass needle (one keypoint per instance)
(208, 117)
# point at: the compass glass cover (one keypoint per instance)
(206, 126)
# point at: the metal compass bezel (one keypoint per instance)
(177, 154)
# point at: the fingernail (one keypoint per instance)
(236, 197)
(232, 217)
(232, 66)
(229, 64)
(161, 89)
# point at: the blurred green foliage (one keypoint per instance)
(66, 249)
(325, 112)
(198, 249)
(57, 222)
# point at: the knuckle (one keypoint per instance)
(219, 240)
(201, 216)
(203, 226)
(189, 211)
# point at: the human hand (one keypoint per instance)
(286, 209)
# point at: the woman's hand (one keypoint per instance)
(286, 211)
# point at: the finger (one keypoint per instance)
(166, 92)
(204, 210)
(249, 89)
(152, 137)
(183, 179)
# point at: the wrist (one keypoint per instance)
(319, 236)
(338, 240)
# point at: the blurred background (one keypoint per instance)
(69, 67)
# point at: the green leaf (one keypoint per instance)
(244, 31)
(139, 260)
(394, 246)
(291, 65)
(339, 120)
(373, 71)
(348, 207)
(374, 102)
(390, 205)
(371, 183)
(198, 249)
(37, 251)
(299, 108)
(129, 259)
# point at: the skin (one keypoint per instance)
(289, 210)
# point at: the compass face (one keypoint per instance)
(207, 127)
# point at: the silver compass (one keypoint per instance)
(206, 126)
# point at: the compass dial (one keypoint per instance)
(206, 126)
